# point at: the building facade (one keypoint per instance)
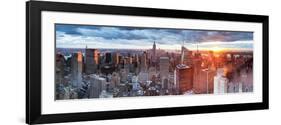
(92, 61)
(76, 69)
(220, 82)
(184, 78)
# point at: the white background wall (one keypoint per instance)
(12, 59)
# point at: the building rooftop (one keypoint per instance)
(97, 77)
(182, 66)
(164, 57)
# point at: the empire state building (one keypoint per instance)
(154, 53)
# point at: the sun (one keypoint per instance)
(217, 49)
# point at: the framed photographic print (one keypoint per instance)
(95, 62)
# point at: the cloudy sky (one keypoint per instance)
(78, 36)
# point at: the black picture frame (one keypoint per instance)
(33, 61)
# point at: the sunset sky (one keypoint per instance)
(78, 36)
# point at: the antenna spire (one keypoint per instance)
(182, 52)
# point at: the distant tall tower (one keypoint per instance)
(76, 69)
(182, 52)
(92, 60)
(154, 53)
(185, 55)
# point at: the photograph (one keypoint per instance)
(87, 62)
(100, 61)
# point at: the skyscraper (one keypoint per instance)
(220, 82)
(97, 85)
(197, 72)
(115, 80)
(185, 56)
(164, 67)
(143, 62)
(60, 65)
(92, 61)
(108, 58)
(206, 81)
(76, 69)
(183, 74)
(183, 78)
(152, 72)
(115, 58)
(154, 53)
(123, 75)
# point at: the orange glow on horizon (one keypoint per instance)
(217, 49)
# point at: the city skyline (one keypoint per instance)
(140, 63)
(79, 36)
